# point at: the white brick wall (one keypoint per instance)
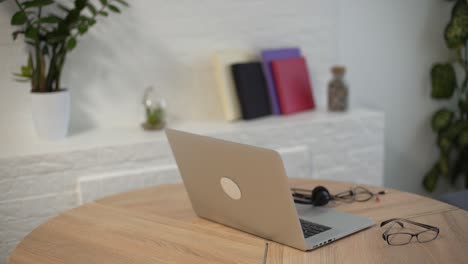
(34, 188)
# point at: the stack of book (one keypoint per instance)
(250, 85)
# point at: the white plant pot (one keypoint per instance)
(51, 114)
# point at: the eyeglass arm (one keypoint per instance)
(408, 221)
(384, 235)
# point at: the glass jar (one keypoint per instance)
(338, 90)
(155, 110)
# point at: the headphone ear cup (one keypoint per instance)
(320, 196)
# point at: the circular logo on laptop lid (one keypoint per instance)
(230, 188)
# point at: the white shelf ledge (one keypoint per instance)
(104, 137)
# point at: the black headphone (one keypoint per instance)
(319, 196)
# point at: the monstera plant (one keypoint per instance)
(51, 30)
(451, 124)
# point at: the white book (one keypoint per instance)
(225, 82)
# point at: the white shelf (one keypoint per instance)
(103, 137)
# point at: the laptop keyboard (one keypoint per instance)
(310, 229)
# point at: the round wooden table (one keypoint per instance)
(158, 225)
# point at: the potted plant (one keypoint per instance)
(51, 30)
(451, 125)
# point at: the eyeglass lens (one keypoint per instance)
(427, 236)
(362, 195)
(398, 239)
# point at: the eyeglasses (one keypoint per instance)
(357, 194)
(403, 238)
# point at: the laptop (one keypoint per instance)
(246, 188)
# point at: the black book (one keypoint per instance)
(251, 89)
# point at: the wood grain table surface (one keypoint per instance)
(158, 225)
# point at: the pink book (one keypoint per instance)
(293, 85)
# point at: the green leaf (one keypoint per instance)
(25, 75)
(20, 75)
(37, 3)
(82, 28)
(91, 22)
(430, 179)
(71, 44)
(72, 16)
(19, 18)
(444, 81)
(444, 166)
(452, 36)
(80, 4)
(91, 8)
(457, 7)
(442, 119)
(103, 13)
(49, 20)
(85, 19)
(32, 33)
(122, 2)
(454, 130)
(460, 17)
(463, 106)
(103, 2)
(26, 71)
(456, 32)
(114, 9)
(444, 144)
(463, 139)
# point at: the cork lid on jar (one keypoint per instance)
(338, 70)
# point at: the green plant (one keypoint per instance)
(451, 125)
(51, 29)
(154, 117)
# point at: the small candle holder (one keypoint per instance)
(155, 110)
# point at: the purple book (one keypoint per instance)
(267, 57)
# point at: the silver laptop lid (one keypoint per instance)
(237, 185)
